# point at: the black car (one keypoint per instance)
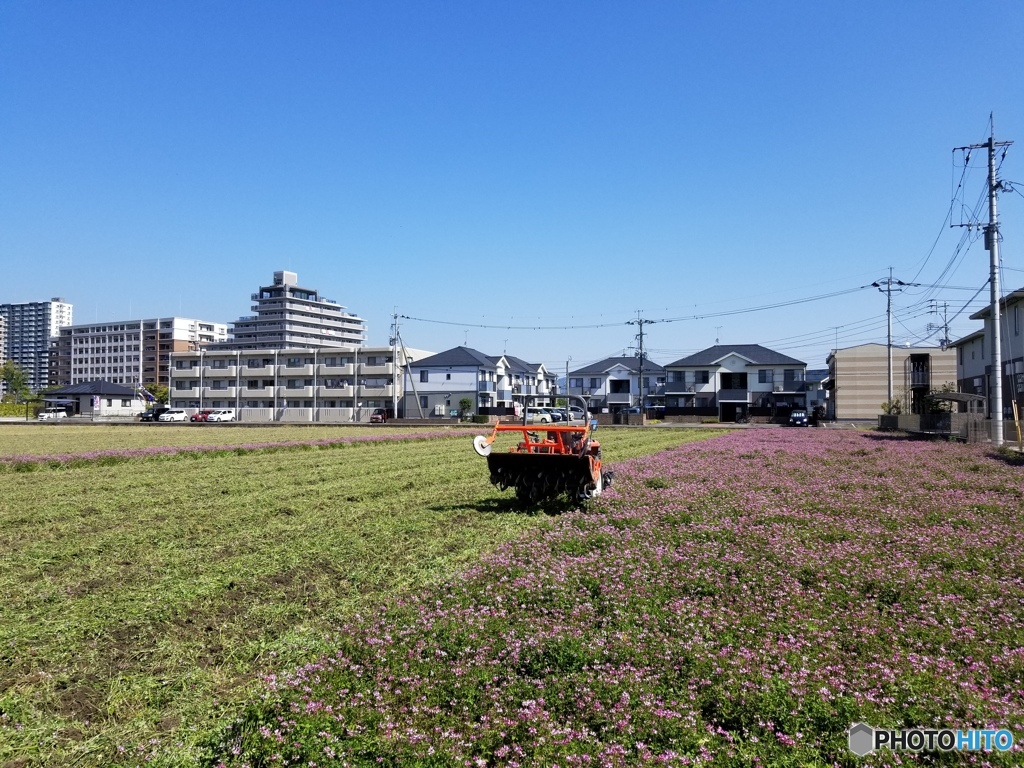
(153, 414)
(798, 419)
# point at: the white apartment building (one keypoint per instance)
(290, 317)
(127, 352)
(303, 384)
(28, 328)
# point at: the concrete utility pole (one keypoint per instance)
(889, 282)
(641, 322)
(992, 246)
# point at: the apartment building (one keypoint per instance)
(732, 381)
(291, 317)
(614, 384)
(297, 384)
(127, 352)
(28, 328)
(858, 378)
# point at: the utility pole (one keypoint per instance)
(944, 341)
(394, 364)
(992, 246)
(889, 282)
(640, 322)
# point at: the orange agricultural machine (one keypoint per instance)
(546, 461)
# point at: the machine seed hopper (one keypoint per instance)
(546, 460)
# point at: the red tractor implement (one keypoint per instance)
(546, 462)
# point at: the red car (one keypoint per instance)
(202, 415)
(379, 416)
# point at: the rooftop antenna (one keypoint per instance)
(465, 339)
(717, 329)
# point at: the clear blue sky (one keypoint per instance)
(510, 164)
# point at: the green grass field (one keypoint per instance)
(143, 600)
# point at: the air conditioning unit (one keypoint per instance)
(777, 388)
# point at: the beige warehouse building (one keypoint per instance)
(858, 378)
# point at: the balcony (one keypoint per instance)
(213, 372)
(680, 388)
(620, 398)
(219, 393)
(375, 370)
(486, 386)
(733, 396)
(257, 392)
(337, 370)
(288, 371)
(504, 394)
(293, 393)
(259, 370)
(920, 378)
(365, 392)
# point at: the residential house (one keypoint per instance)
(496, 385)
(858, 378)
(974, 353)
(731, 381)
(614, 384)
(97, 399)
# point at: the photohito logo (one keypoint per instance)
(864, 739)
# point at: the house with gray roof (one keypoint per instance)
(733, 381)
(496, 385)
(614, 384)
(98, 398)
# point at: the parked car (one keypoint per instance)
(202, 415)
(533, 415)
(379, 416)
(221, 415)
(48, 414)
(173, 414)
(798, 419)
(153, 414)
(576, 413)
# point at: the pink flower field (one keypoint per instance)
(733, 602)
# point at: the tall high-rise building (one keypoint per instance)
(288, 316)
(28, 328)
(127, 351)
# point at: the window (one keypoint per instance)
(765, 376)
(126, 403)
(595, 384)
(219, 362)
(447, 377)
(576, 383)
(110, 402)
(703, 377)
(423, 401)
(293, 362)
(424, 377)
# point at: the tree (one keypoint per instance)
(465, 406)
(159, 391)
(15, 382)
